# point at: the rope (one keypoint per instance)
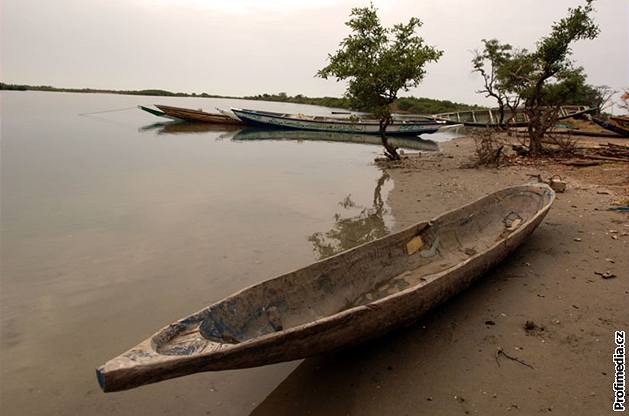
(107, 111)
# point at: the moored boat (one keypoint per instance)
(618, 125)
(154, 112)
(197, 115)
(342, 300)
(491, 117)
(336, 124)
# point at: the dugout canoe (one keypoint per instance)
(411, 127)
(342, 300)
(198, 116)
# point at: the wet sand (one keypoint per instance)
(450, 362)
(108, 232)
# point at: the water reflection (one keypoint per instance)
(240, 134)
(352, 231)
(414, 143)
(95, 211)
(184, 127)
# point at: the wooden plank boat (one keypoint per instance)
(336, 124)
(491, 117)
(155, 112)
(619, 125)
(253, 133)
(197, 115)
(342, 300)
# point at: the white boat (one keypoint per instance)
(336, 124)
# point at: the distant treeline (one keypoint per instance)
(152, 92)
(404, 104)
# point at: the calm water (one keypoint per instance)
(113, 226)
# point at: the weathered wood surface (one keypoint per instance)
(490, 117)
(342, 300)
(197, 115)
(618, 125)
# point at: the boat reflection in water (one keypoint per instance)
(349, 232)
(414, 143)
(237, 133)
(185, 127)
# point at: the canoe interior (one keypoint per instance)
(197, 115)
(356, 277)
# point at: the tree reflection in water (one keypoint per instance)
(353, 231)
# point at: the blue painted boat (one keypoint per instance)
(336, 124)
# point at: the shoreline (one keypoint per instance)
(454, 360)
(422, 104)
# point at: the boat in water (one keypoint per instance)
(412, 143)
(342, 300)
(155, 112)
(336, 124)
(491, 117)
(197, 116)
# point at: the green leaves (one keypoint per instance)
(537, 76)
(543, 79)
(378, 62)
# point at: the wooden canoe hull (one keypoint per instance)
(491, 117)
(618, 125)
(154, 112)
(197, 115)
(445, 269)
(327, 124)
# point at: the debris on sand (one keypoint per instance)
(557, 184)
(501, 352)
(606, 275)
(532, 328)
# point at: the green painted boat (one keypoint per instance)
(155, 112)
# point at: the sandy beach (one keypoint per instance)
(475, 354)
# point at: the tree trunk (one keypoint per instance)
(501, 112)
(390, 151)
(536, 133)
(537, 126)
(535, 141)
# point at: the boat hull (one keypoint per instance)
(197, 115)
(365, 284)
(618, 125)
(276, 120)
(491, 117)
(156, 112)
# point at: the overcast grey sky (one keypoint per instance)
(244, 47)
